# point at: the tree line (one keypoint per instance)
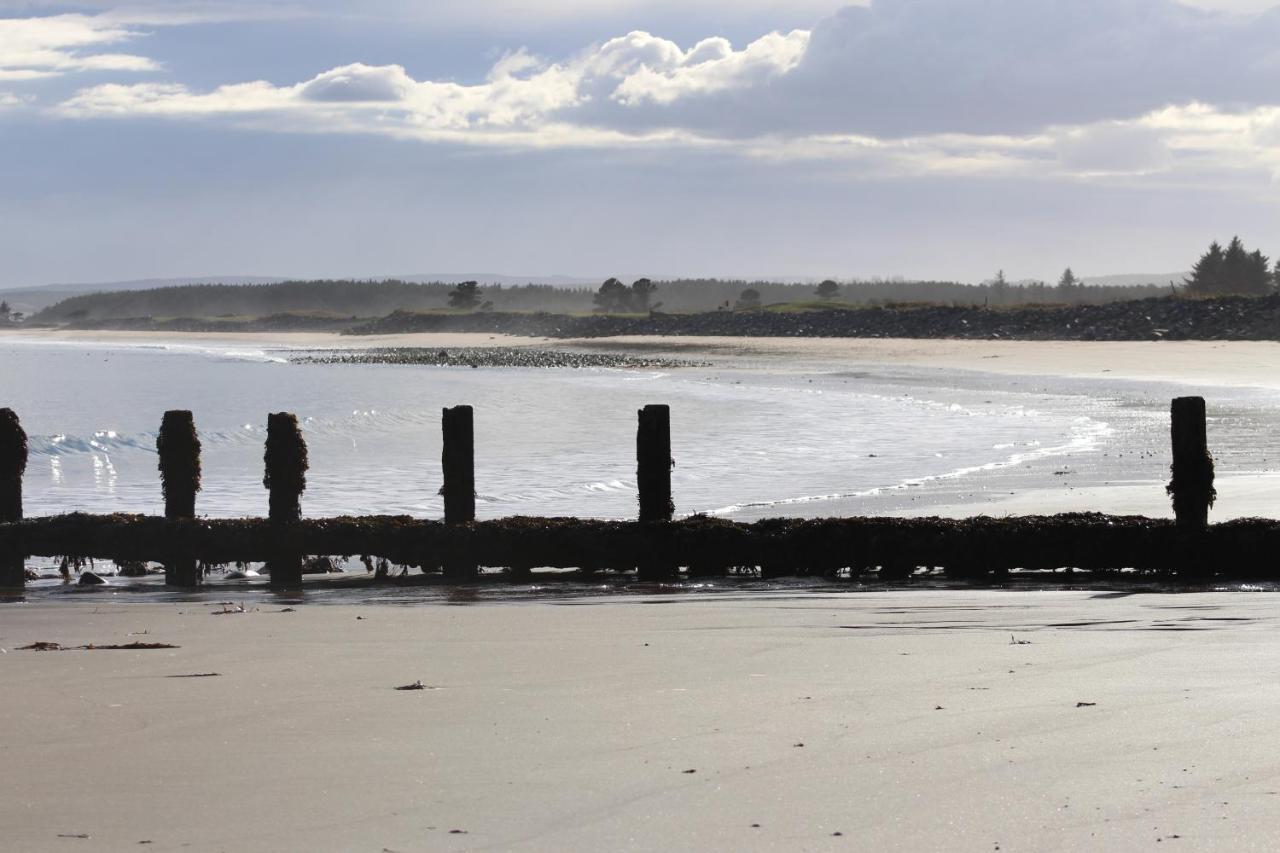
(1233, 270)
(1221, 270)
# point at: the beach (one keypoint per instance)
(700, 717)
(1229, 363)
(912, 721)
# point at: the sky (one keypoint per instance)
(939, 139)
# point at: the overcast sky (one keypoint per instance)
(917, 138)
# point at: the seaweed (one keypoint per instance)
(178, 446)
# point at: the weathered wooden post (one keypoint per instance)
(286, 479)
(1192, 484)
(458, 459)
(178, 446)
(653, 479)
(13, 463)
(654, 463)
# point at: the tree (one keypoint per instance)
(1231, 270)
(641, 290)
(4, 311)
(1257, 275)
(999, 288)
(613, 297)
(1068, 283)
(749, 298)
(1206, 275)
(828, 290)
(466, 296)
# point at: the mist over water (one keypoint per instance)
(750, 440)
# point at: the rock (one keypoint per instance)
(91, 579)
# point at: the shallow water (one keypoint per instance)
(750, 439)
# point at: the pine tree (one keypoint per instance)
(1206, 275)
(999, 288)
(1235, 267)
(1257, 275)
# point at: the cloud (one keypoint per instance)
(359, 83)
(1090, 88)
(35, 48)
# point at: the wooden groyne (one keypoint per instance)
(655, 546)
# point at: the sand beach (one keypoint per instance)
(957, 720)
(698, 719)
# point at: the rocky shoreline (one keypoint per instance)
(477, 357)
(1167, 318)
(1235, 318)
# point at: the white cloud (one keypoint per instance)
(1095, 89)
(521, 94)
(34, 48)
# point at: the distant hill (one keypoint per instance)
(31, 300)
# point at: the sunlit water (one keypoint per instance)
(759, 440)
(750, 440)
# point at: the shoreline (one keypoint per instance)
(1230, 363)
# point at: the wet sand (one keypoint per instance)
(960, 720)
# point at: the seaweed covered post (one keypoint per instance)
(178, 446)
(286, 480)
(654, 463)
(458, 459)
(1192, 485)
(13, 464)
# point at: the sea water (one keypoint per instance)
(751, 439)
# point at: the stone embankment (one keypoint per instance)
(1169, 318)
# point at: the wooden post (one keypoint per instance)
(13, 463)
(1192, 485)
(458, 459)
(286, 479)
(178, 445)
(653, 478)
(654, 463)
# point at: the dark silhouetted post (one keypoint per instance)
(1192, 485)
(654, 463)
(13, 463)
(178, 445)
(459, 462)
(653, 477)
(286, 479)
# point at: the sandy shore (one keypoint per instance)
(1236, 363)
(881, 721)
(1239, 496)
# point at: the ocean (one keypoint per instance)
(752, 437)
